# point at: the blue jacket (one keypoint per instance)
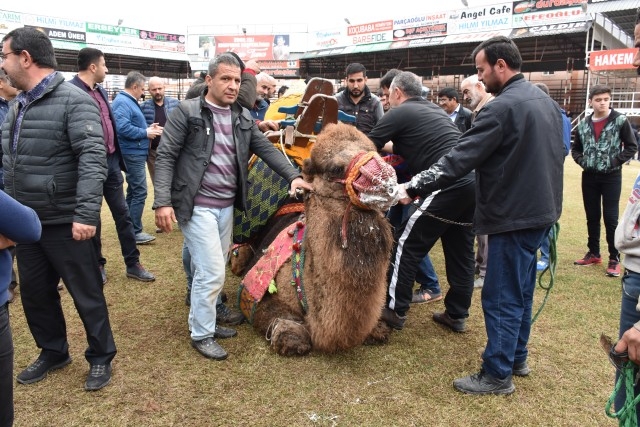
(20, 224)
(259, 109)
(149, 109)
(131, 126)
(4, 109)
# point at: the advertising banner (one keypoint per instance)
(373, 32)
(479, 19)
(616, 59)
(259, 47)
(420, 26)
(530, 13)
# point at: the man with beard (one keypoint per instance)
(515, 140)
(358, 100)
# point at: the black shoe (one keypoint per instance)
(99, 376)
(456, 325)
(208, 347)
(138, 272)
(228, 316)
(521, 369)
(393, 319)
(222, 332)
(103, 273)
(39, 369)
(483, 383)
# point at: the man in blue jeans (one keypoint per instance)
(134, 136)
(627, 241)
(515, 140)
(198, 183)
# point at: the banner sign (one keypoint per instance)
(616, 59)
(529, 13)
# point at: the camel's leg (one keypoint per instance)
(289, 338)
(379, 334)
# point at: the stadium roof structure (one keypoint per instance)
(555, 47)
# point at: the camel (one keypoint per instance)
(328, 291)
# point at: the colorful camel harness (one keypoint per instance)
(368, 182)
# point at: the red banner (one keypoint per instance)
(617, 59)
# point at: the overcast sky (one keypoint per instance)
(322, 14)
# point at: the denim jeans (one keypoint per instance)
(6, 368)
(628, 316)
(136, 187)
(544, 247)
(186, 264)
(507, 298)
(208, 237)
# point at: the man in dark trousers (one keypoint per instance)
(58, 170)
(421, 133)
(92, 70)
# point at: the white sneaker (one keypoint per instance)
(479, 282)
(541, 265)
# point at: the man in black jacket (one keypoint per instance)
(516, 148)
(92, 70)
(201, 173)
(55, 162)
(449, 100)
(357, 100)
(421, 133)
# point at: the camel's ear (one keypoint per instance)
(308, 167)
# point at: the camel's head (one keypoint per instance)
(344, 155)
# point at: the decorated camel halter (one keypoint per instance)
(370, 183)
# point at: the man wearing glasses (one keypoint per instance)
(54, 161)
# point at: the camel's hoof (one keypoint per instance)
(379, 334)
(289, 338)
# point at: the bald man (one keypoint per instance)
(156, 110)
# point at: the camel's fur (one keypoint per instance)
(345, 288)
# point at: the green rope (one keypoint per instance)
(627, 414)
(551, 268)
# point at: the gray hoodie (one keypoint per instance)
(627, 238)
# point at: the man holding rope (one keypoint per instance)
(421, 133)
(515, 146)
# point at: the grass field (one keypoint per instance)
(159, 380)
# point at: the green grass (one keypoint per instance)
(159, 380)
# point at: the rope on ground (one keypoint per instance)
(626, 416)
(550, 270)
